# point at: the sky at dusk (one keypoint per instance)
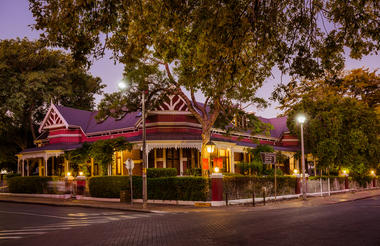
(15, 19)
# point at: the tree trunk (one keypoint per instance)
(206, 137)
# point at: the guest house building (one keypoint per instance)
(173, 141)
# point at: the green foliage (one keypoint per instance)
(110, 186)
(161, 172)
(270, 172)
(260, 148)
(360, 173)
(255, 167)
(79, 158)
(341, 131)
(31, 76)
(11, 175)
(224, 50)
(194, 172)
(29, 185)
(164, 188)
(102, 150)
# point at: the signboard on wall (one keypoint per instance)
(268, 158)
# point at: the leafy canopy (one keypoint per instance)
(221, 49)
(340, 131)
(31, 76)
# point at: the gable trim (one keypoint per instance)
(47, 117)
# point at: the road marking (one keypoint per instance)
(10, 237)
(22, 233)
(41, 215)
(73, 220)
(34, 229)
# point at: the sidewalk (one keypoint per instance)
(155, 208)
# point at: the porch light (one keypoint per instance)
(216, 169)
(210, 146)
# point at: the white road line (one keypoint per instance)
(17, 237)
(22, 233)
(41, 215)
(35, 229)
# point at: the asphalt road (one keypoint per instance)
(348, 223)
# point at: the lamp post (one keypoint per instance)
(301, 119)
(122, 85)
(145, 183)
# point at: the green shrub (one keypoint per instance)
(194, 172)
(270, 172)
(29, 185)
(164, 188)
(110, 186)
(161, 172)
(11, 175)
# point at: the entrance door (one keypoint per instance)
(172, 158)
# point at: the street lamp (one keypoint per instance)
(301, 119)
(122, 85)
(210, 146)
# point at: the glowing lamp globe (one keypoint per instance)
(301, 119)
(210, 146)
(122, 85)
(216, 169)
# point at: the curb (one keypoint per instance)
(78, 205)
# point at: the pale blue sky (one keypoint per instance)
(15, 19)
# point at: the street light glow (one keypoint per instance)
(122, 85)
(68, 174)
(301, 119)
(216, 169)
(295, 171)
(210, 146)
(80, 173)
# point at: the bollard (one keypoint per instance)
(217, 186)
(346, 183)
(81, 184)
(298, 186)
(226, 199)
(253, 199)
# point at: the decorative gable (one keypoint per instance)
(53, 119)
(174, 103)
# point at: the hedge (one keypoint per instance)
(164, 188)
(161, 172)
(30, 184)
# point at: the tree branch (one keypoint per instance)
(196, 105)
(196, 114)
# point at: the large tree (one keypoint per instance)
(32, 76)
(342, 129)
(222, 49)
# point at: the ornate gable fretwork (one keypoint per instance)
(174, 103)
(53, 119)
